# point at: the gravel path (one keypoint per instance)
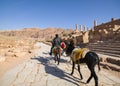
(41, 70)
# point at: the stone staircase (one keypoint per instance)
(109, 53)
(106, 48)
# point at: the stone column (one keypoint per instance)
(76, 27)
(84, 28)
(92, 29)
(80, 28)
(112, 19)
(87, 28)
(95, 23)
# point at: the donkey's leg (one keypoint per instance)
(89, 78)
(95, 78)
(55, 58)
(90, 74)
(58, 59)
(93, 74)
(73, 66)
(79, 71)
(91, 69)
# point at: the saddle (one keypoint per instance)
(55, 50)
(78, 54)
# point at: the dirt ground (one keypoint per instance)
(12, 62)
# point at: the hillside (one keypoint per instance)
(13, 42)
(37, 33)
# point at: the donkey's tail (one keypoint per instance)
(99, 64)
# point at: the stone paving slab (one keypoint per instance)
(41, 70)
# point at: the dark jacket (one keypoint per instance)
(56, 41)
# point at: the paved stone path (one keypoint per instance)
(41, 70)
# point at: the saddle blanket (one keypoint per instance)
(78, 53)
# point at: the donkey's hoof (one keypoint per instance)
(87, 82)
(71, 74)
(81, 78)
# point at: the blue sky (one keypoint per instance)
(17, 14)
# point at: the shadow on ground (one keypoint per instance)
(57, 72)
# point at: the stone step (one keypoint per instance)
(109, 54)
(107, 51)
(106, 48)
(106, 44)
(109, 43)
(109, 59)
(110, 66)
(115, 42)
(110, 62)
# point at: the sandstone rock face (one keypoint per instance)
(10, 47)
(106, 32)
(2, 58)
(37, 33)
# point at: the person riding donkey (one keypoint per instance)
(63, 46)
(55, 43)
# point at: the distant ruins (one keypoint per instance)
(109, 31)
